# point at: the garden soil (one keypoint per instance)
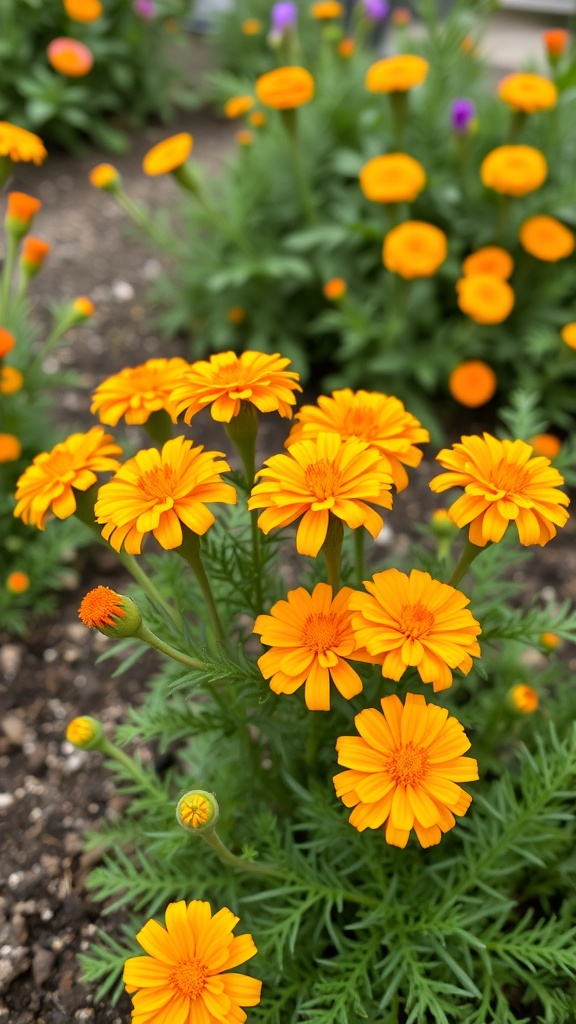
(51, 793)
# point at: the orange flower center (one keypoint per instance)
(190, 977)
(509, 477)
(158, 483)
(408, 765)
(361, 423)
(101, 607)
(60, 467)
(415, 619)
(321, 632)
(322, 478)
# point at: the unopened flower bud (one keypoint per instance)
(113, 614)
(34, 252)
(442, 525)
(7, 342)
(17, 582)
(21, 211)
(197, 811)
(105, 177)
(85, 732)
(81, 309)
(550, 641)
(523, 699)
(334, 289)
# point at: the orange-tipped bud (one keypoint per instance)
(556, 42)
(244, 137)
(346, 48)
(197, 811)
(335, 288)
(252, 27)
(550, 641)
(113, 614)
(85, 732)
(7, 342)
(546, 444)
(401, 16)
(82, 308)
(34, 252)
(523, 699)
(10, 448)
(442, 525)
(257, 118)
(105, 176)
(17, 582)
(21, 211)
(236, 315)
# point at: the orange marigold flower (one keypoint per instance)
(346, 48)
(20, 145)
(285, 88)
(414, 249)
(226, 380)
(556, 41)
(310, 637)
(404, 770)
(502, 483)
(49, 483)
(514, 170)
(17, 582)
(396, 74)
(334, 289)
(394, 178)
(83, 10)
(236, 315)
(10, 448)
(185, 966)
(244, 137)
(568, 335)
(415, 620)
(257, 118)
(158, 491)
(318, 477)
(115, 615)
(34, 252)
(547, 445)
(11, 380)
(472, 383)
(251, 27)
(524, 699)
(138, 391)
(546, 238)
(486, 299)
(323, 10)
(7, 342)
(22, 208)
(69, 57)
(237, 106)
(104, 176)
(379, 420)
(528, 93)
(491, 259)
(168, 155)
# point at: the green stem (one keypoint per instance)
(140, 217)
(189, 180)
(469, 553)
(503, 214)
(11, 250)
(399, 104)
(190, 551)
(291, 125)
(359, 554)
(211, 837)
(143, 580)
(332, 548)
(243, 431)
(136, 772)
(150, 638)
(52, 340)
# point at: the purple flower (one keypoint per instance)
(376, 10)
(463, 112)
(145, 8)
(284, 15)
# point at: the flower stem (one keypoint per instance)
(291, 126)
(150, 638)
(11, 249)
(469, 553)
(188, 179)
(190, 551)
(359, 554)
(332, 548)
(143, 580)
(211, 837)
(134, 769)
(243, 431)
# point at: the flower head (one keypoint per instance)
(10, 448)
(318, 477)
(346, 48)
(34, 252)
(549, 641)
(568, 335)
(514, 170)
(325, 10)
(491, 259)
(528, 93)
(185, 968)
(226, 380)
(81, 309)
(334, 289)
(252, 27)
(283, 16)
(11, 380)
(404, 770)
(49, 483)
(415, 620)
(556, 41)
(472, 383)
(21, 211)
(158, 491)
(547, 445)
(197, 810)
(104, 176)
(485, 298)
(237, 106)
(69, 57)
(414, 249)
(112, 614)
(396, 74)
(168, 155)
(401, 16)
(394, 178)
(462, 114)
(83, 10)
(137, 391)
(7, 342)
(311, 639)
(146, 9)
(20, 145)
(524, 699)
(285, 88)
(546, 238)
(85, 732)
(380, 420)
(503, 483)
(376, 10)
(17, 582)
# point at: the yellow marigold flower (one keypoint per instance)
(396, 74)
(11, 380)
(394, 178)
(251, 27)
(323, 10)
(514, 170)
(84, 732)
(524, 699)
(22, 208)
(414, 249)
(547, 445)
(70, 57)
(404, 770)
(319, 476)
(486, 299)
(380, 420)
(115, 615)
(244, 137)
(226, 380)
(17, 582)
(472, 383)
(168, 155)
(237, 106)
(556, 41)
(83, 10)
(104, 176)
(137, 391)
(549, 641)
(257, 118)
(34, 252)
(502, 483)
(49, 483)
(528, 93)
(546, 238)
(568, 335)
(7, 342)
(20, 145)
(415, 620)
(10, 448)
(310, 638)
(184, 970)
(158, 491)
(346, 48)
(491, 259)
(334, 289)
(285, 88)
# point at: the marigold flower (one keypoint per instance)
(85, 732)
(524, 699)
(380, 420)
(404, 770)
(251, 27)
(104, 176)
(70, 57)
(334, 289)
(486, 299)
(10, 448)
(113, 614)
(285, 88)
(514, 170)
(168, 155)
(502, 483)
(324, 10)
(83, 10)
(556, 41)
(185, 968)
(394, 178)
(549, 641)
(528, 93)
(491, 259)
(310, 638)
(547, 445)
(546, 238)
(236, 315)
(319, 476)
(396, 74)
(7, 342)
(158, 491)
(472, 383)
(415, 620)
(244, 137)
(346, 48)
(21, 210)
(568, 334)
(257, 118)
(468, 45)
(11, 380)
(226, 380)
(138, 391)
(17, 582)
(34, 252)
(197, 810)
(237, 106)
(82, 308)
(414, 249)
(20, 145)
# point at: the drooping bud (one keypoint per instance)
(113, 614)
(85, 732)
(197, 811)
